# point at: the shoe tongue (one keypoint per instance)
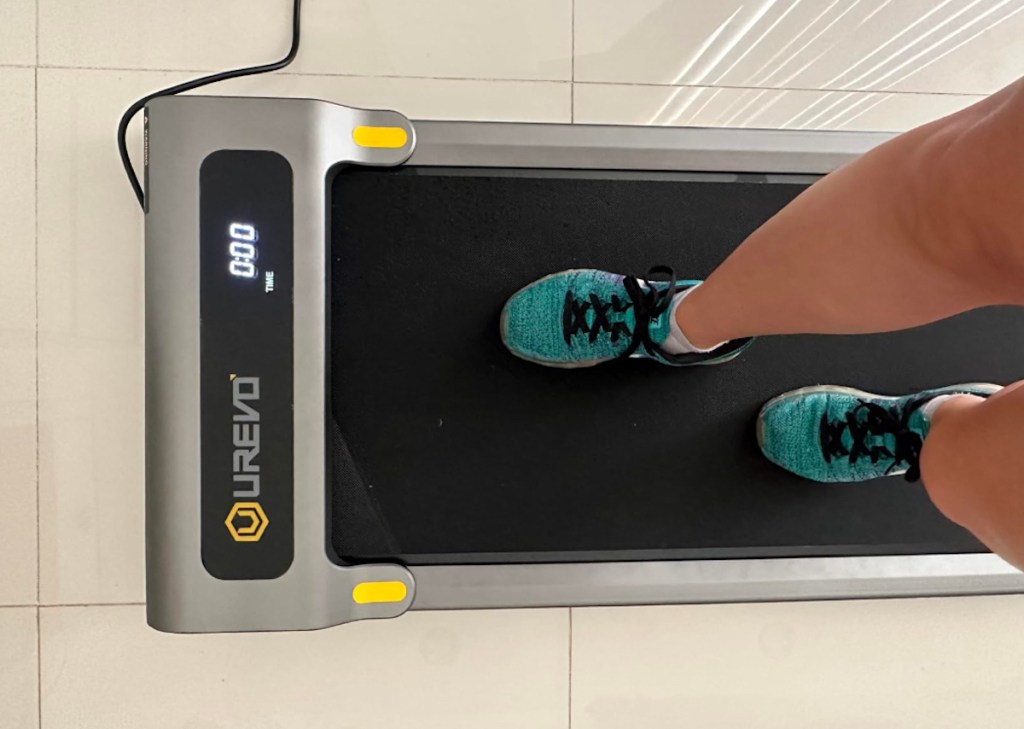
(870, 439)
(660, 327)
(918, 423)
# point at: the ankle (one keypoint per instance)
(947, 407)
(945, 465)
(695, 324)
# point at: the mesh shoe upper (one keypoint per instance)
(835, 434)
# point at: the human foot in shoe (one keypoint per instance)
(839, 434)
(582, 317)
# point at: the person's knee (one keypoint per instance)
(975, 225)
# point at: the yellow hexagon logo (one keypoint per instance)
(247, 521)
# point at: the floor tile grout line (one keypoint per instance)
(572, 62)
(35, 303)
(39, 625)
(35, 292)
(300, 74)
(739, 87)
(39, 668)
(571, 610)
(46, 606)
(573, 81)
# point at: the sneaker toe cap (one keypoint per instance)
(788, 434)
(528, 326)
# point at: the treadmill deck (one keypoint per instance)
(450, 450)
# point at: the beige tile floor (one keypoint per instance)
(74, 648)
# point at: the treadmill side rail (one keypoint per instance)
(670, 149)
(711, 581)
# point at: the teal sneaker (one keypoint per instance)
(583, 317)
(838, 434)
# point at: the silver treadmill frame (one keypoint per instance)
(315, 136)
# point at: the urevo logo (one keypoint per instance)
(246, 521)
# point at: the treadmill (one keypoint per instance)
(335, 432)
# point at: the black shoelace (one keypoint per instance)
(867, 423)
(647, 300)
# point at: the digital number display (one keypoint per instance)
(242, 250)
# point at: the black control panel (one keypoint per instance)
(246, 254)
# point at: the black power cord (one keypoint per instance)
(122, 127)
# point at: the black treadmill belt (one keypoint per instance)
(448, 449)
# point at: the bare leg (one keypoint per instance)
(929, 225)
(924, 227)
(973, 467)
